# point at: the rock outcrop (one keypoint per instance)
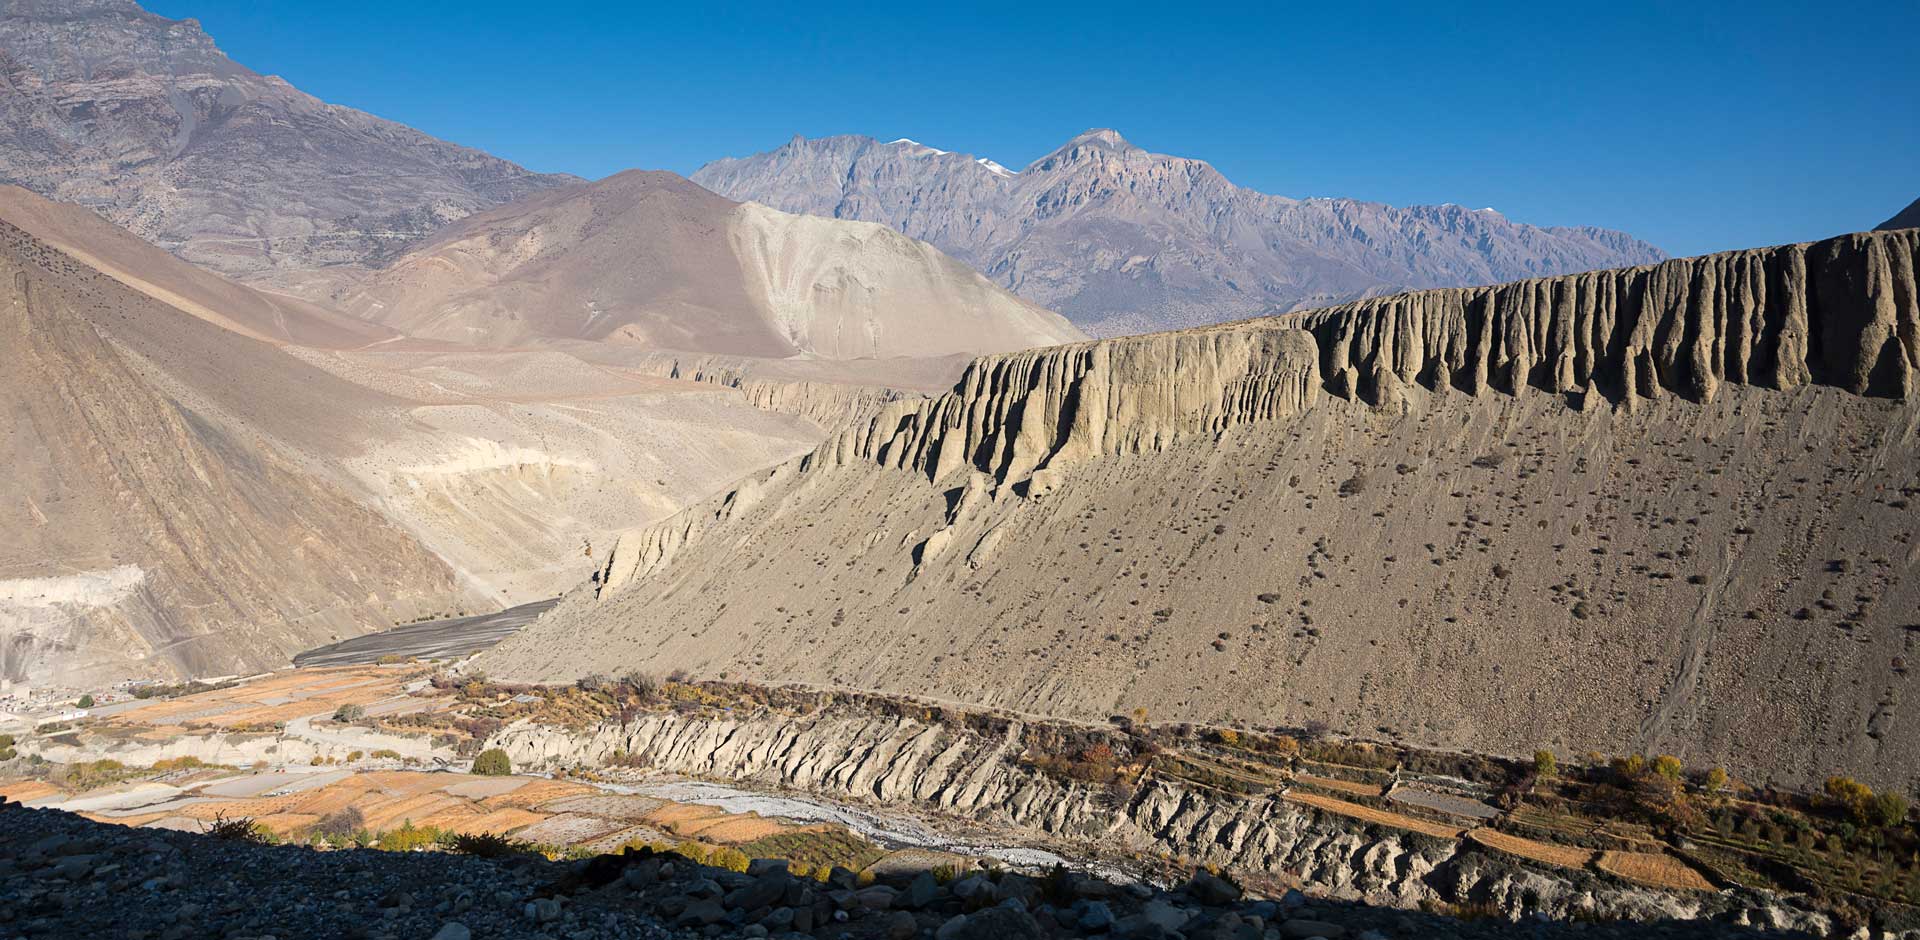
(1047, 409)
(827, 404)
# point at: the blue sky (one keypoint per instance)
(1698, 127)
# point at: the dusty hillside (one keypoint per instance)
(151, 532)
(649, 259)
(1122, 240)
(1667, 508)
(205, 490)
(519, 467)
(111, 250)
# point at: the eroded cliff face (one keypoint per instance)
(829, 405)
(906, 764)
(1840, 312)
(1663, 509)
(1047, 409)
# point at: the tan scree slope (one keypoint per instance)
(150, 529)
(1668, 508)
(650, 259)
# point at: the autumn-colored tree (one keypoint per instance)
(1851, 797)
(1544, 763)
(1668, 766)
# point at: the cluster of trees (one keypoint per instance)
(1863, 807)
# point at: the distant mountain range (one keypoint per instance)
(1122, 240)
(145, 120)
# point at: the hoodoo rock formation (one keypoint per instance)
(1667, 507)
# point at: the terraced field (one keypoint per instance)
(1563, 856)
(1376, 816)
(559, 814)
(1654, 868)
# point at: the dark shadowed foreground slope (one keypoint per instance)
(1667, 508)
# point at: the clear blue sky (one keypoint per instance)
(1697, 127)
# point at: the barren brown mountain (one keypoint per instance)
(1656, 509)
(652, 260)
(145, 120)
(151, 530)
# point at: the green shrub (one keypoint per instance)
(240, 829)
(338, 828)
(1888, 810)
(1544, 763)
(86, 701)
(493, 762)
(487, 845)
(407, 838)
(346, 713)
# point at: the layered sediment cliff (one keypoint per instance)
(827, 404)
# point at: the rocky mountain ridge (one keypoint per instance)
(1122, 240)
(155, 528)
(145, 120)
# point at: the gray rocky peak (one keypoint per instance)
(1124, 240)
